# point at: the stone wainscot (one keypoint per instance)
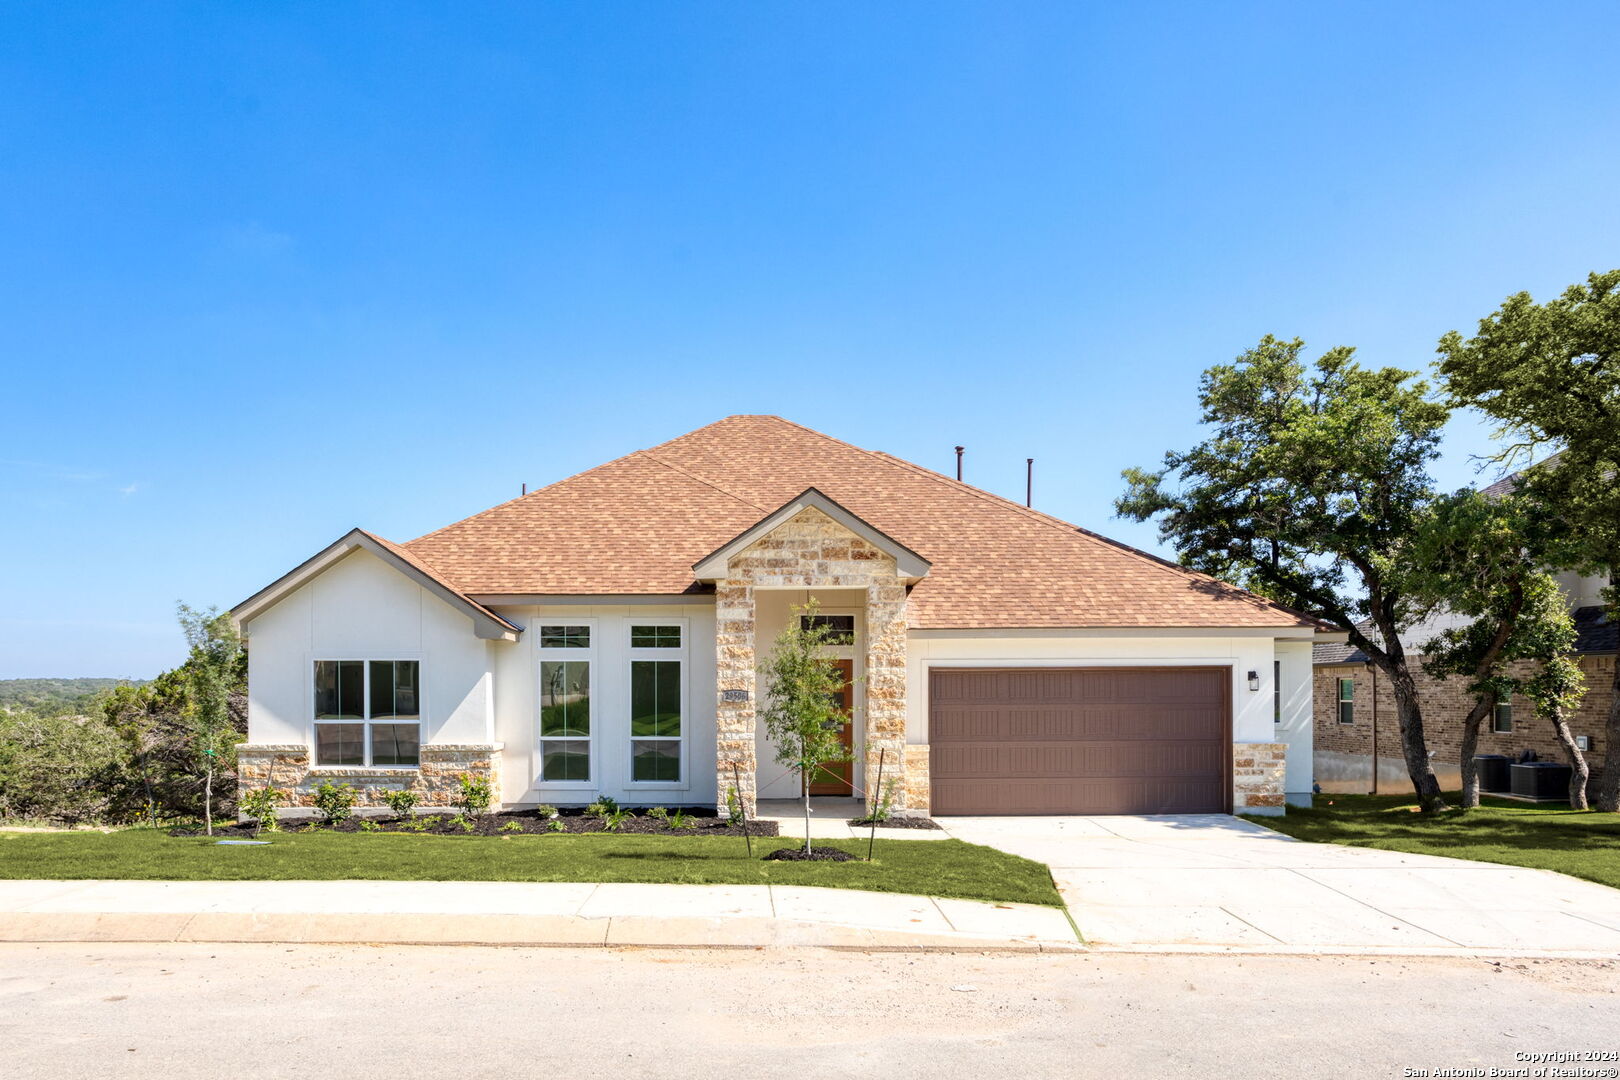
(437, 781)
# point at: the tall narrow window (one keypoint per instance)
(565, 720)
(1276, 691)
(656, 695)
(367, 713)
(1347, 701)
(1502, 715)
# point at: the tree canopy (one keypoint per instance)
(1311, 484)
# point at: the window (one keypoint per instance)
(1502, 715)
(840, 629)
(655, 637)
(565, 720)
(656, 696)
(368, 712)
(1276, 691)
(565, 637)
(565, 704)
(1347, 701)
(655, 720)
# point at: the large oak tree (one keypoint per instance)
(1312, 483)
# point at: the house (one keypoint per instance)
(1355, 712)
(601, 636)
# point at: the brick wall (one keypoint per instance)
(1445, 704)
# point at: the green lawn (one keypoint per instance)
(1551, 836)
(929, 867)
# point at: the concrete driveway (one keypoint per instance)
(1202, 880)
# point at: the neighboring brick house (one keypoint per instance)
(1350, 692)
(601, 637)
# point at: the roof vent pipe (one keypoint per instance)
(1029, 481)
(959, 450)
(525, 489)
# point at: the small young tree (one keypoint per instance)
(801, 712)
(1308, 490)
(216, 652)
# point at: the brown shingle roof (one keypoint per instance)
(637, 524)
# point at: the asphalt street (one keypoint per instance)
(179, 1011)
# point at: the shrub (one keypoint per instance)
(682, 820)
(734, 809)
(658, 813)
(334, 801)
(512, 826)
(60, 768)
(474, 797)
(602, 807)
(369, 826)
(260, 805)
(543, 811)
(557, 825)
(615, 819)
(401, 801)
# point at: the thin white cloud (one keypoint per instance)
(129, 489)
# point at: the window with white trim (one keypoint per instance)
(657, 691)
(368, 712)
(1347, 701)
(1502, 713)
(565, 704)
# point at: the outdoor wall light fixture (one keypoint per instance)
(1254, 680)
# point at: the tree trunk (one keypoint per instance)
(1579, 771)
(1470, 744)
(1608, 786)
(808, 773)
(208, 798)
(1414, 746)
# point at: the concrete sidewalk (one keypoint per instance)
(518, 913)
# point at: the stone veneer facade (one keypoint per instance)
(811, 550)
(437, 781)
(1259, 777)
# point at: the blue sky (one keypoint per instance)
(270, 271)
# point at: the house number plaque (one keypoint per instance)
(734, 695)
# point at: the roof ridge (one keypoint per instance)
(702, 480)
(1044, 518)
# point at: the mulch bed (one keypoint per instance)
(510, 823)
(898, 823)
(820, 854)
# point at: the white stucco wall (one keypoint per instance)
(1297, 728)
(1242, 651)
(517, 712)
(363, 609)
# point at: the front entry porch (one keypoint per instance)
(814, 548)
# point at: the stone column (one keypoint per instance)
(886, 691)
(734, 671)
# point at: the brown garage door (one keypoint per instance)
(1080, 740)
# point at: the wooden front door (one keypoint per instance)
(838, 778)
